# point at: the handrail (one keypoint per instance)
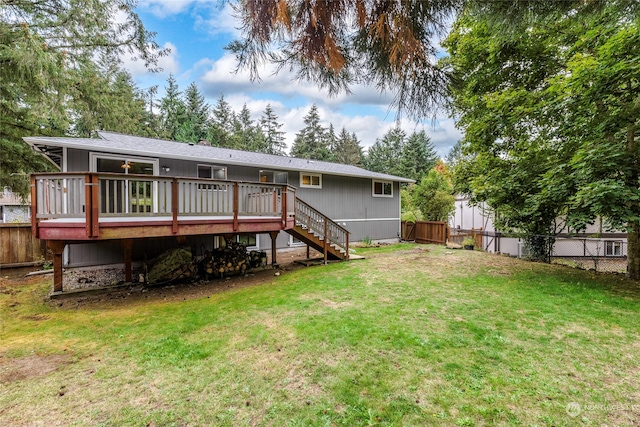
(319, 224)
(90, 196)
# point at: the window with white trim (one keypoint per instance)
(613, 248)
(382, 188)
(310, 180)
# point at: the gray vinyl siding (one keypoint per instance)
(347, 200)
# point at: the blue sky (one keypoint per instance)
(196, 33)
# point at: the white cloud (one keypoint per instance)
(220, 21)
(164, 8)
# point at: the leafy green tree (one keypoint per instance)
(550, 115)
(274, 142)
(311, 141)
(46, 49)
(348, 150)
(433, 195)
(385, 154)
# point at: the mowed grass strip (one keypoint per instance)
(413, 335)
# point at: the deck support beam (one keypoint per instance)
(274, 236)
(127, 244)
(56, 247)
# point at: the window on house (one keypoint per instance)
(382, 189)
(613, 248)
(275, 177)
(211, 172)
(249, 240)
(313, 180)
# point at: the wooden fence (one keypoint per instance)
(18, 247)
(457, 236)
(425, 232)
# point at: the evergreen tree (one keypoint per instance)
(274, 142)
(332, 143)
(418, 156)
(385, 154)
(172, 111)
(221, 127)
(47, 50)
(196, 113)
(310, 142)
(348, 150)
(245, 134)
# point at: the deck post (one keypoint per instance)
(274, 236)
(34, 212)
(127, 245)
(324, 245)
(95, 203)
(174, 205)
(56, 247)
(284, 205)
(235, 206)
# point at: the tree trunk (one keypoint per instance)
(633, 251)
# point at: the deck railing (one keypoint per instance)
(91, 196)
(319, 224)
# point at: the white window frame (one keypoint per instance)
(373, 188)
(155, 162)
(311, 176)
(613, 248)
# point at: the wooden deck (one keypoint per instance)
(84, 207)
(91, 206)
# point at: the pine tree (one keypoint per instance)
(47, 50)
(348, 150)
(245, 135)
(418, 156)
(385, 154)
(310, 142)
(172, 110)
(274, 142)
(196, 112)
(220, 129)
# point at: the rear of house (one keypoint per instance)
(365, 203)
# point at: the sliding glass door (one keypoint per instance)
(123, 195)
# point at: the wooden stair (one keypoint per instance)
(320, 232)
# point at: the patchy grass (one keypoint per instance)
(413, 335)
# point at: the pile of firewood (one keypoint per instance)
(226, 261)
(173, 264)
(176, 264)
(257, 259)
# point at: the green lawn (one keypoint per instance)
(413, 335)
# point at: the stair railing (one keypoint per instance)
(332, 233)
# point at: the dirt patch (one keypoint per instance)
(17, 369)
(136, 292)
